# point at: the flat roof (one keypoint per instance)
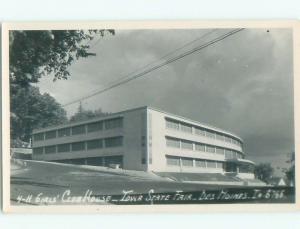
(119, 114)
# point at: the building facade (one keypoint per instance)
(144, 139)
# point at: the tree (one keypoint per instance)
(263, 171)
(83, 114)
(290, 172)
(31, 110)
(34, 53)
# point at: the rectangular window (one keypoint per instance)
(200, 163)
(186, 128)
(50, 149)
(113, 142)
(210, 149)
(219, 150)
(228, 154)
(173, 161)
(78, 130)
(171, 142)
(78, 146)
(200, 147)
(171, 124)
(50, 134)
(211, 164)
(113, 123)
(94, 144)
(220, 137)
(186, 145)
(227, 139)
(64, 132)
(187, 162)
(199, 131)
(38, 150)
(210, 134)
(38, 137)
(219, 165)
(63, 148)
(95, 126)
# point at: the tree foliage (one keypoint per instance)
(31, 109)
(82, 114)
(290, 172)
(35, 53)
(263, 171)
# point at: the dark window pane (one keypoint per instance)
(38, 137)
(77, 146)
(63, 148)
(50, 134)
(187, 162)
(95, 126)
(114, 123)
(78, 129)
(94, 144)
(64, 132)
(113, 142)
(50, 149)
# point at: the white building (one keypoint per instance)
(144, 139)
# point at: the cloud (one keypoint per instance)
(242, 84)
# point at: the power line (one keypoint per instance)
(215, 40)
(158, 60)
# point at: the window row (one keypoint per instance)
(193, 162)
(80, 129)
(189, 145)
(81, 146)
(188, 128)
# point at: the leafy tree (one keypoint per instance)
(83, 114)
(35, 53)
(31, 110)
(290, 172)
(263, 171)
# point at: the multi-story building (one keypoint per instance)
(144, 139)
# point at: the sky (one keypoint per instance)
(243, 84)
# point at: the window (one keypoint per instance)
(63, 148)
(171, 124)
(227, 139)
(220, 137)
(210, 134)
(50, 149)
(173, 161)
(200, 147)
(219, 165)
(228, 154)
(38, 137)
(186, 128)
(38, 150)
(78, 130)
(50, 134)
(210, 149)
(220, 150)
(113, 142)
(186, 145)
(64, 132)
(113, 123)
(95, 126)
(77, 146)
(200, 163)
(199, 131)
(94, 144)
(187, 162)
(211, 164)
(171, 142)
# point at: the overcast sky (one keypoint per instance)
(243, 84)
